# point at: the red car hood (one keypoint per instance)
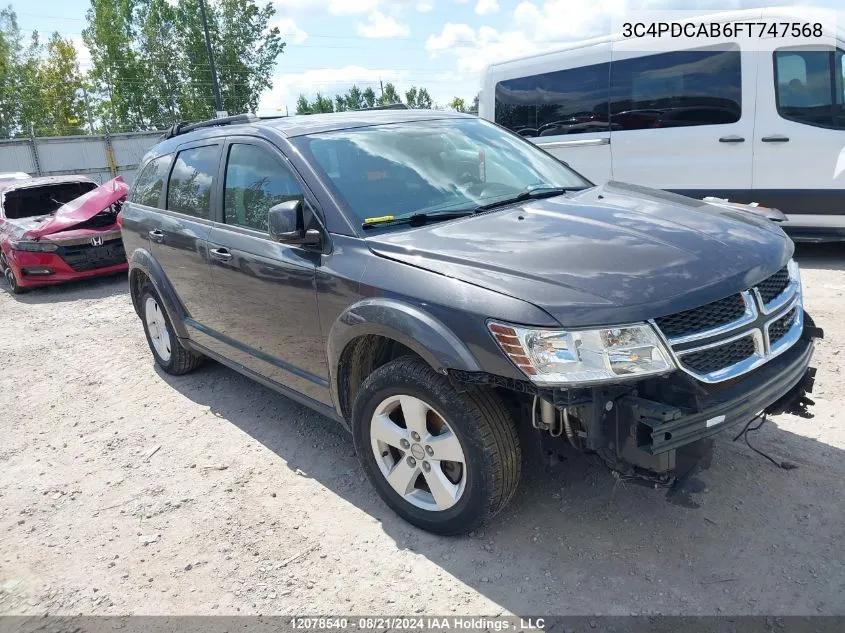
(82, 208)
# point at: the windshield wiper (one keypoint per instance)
(528, 194)
(415, 219)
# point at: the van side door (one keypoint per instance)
(560, 103)
(799, 142)
(683, 119)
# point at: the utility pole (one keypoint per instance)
(218, 102)
(88, 111)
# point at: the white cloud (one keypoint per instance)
(425, 7)
(290, 31)
(335, 7)
(486, 6)
(83, 55)
(381, 26)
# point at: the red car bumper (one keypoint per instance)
(44, 269)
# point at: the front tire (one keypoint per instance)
(11, 280)
(168, 351)
(443, 460)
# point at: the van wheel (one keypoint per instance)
(443, 460)
(168, 352)
(14, 287)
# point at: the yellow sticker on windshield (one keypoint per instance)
(384, 218)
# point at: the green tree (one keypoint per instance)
(340, 103)
(389, 95)
(322, 104)
(302, 105)
(369, 97)
(458, 105)
(19, 81)
(246, 49)
(61, 83)
(354, 98)
(117, 74)
(159, 52)
(418, 98)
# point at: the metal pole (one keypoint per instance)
(88, 111)
(218, 102)
(34, 145)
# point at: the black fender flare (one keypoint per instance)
(404, 323)
(142, 260)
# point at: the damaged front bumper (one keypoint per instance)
(655, 429)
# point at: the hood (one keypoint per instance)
(607, 255)
(78, 210)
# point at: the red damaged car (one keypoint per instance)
(60, 228)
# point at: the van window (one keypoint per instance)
(809, 86)
(676, 89)
(255, 181)
(189, 189)
(150, 182)
(562, 102)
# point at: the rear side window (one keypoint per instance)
(150, 182)
(809, 86)
(676, 89)
(562, 102)
(255, 181)
(189, 189)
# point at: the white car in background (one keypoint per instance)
(748, 119)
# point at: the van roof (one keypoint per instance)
(719, 16)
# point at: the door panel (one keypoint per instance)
(799, 143)
(179, 235)
(683, 120)
(265, 291)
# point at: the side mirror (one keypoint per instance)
(287, 225)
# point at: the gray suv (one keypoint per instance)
(452, 294)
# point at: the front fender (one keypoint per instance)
(405, 323)
(143, 261)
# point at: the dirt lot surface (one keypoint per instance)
(126, 491)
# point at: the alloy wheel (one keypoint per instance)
(157, 328)
(418, 453)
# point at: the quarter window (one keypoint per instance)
(562, 102)
(255, 182)
(676, 89)
(809, 86)
(189, 189)
(150, 182)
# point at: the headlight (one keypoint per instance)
(581, 357)
(34, 247)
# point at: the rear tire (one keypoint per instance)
(168, 351)
(473, 428)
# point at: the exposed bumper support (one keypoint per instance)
(658, 428)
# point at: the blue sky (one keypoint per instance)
(442, 45)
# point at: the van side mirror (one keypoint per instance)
(287, 224)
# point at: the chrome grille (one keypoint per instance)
(732, 336)
(720, 357)
(779, 328)
(701, 319)
(771, 288)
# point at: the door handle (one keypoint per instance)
(156, 235)
(221, 254)
(733, 138)
(776, 138)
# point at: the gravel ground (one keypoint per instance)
(127, 491)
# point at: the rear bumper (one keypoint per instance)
(662, 428)
(25, 263)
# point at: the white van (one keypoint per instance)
(752, 120)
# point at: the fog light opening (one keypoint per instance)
(37, 271)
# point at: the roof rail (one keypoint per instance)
(389, 106)
(183, 127)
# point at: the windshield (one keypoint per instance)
(430, 167)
